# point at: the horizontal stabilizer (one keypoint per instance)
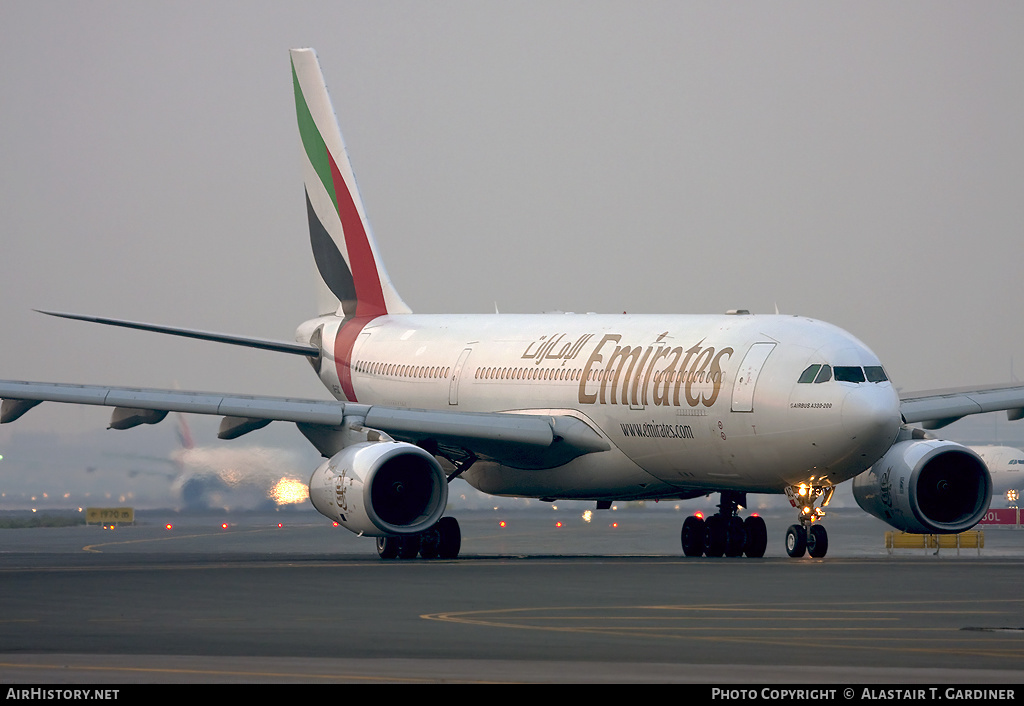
(247, 341)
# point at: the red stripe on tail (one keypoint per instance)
(369, 294)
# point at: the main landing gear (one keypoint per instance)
(442, 541)
(725, 533)
(808, 537)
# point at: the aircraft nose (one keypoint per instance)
(871, 414)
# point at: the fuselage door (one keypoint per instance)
(746, 378)
(453, 389)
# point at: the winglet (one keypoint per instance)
(343, 247)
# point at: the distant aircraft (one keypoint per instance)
(1006, 466)
(563, 406)
(227, 478)
(251, 477)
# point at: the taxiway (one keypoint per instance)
(288, 598)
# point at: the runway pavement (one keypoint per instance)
(286, 597)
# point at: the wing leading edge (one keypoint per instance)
(935, 409)
(525, 440)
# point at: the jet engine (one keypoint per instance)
(926, 487)
(380, 488)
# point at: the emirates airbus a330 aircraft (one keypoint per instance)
(586, 407)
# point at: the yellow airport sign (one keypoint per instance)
(109, 515)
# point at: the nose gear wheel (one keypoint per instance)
(808, 536)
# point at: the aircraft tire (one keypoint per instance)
(430, 543)
(714, 536)
(735, 536)
(692, 536)
(757, 537)
(388, 547)
(796, 541)
(409, 547)
(817, 541)
(449, 538)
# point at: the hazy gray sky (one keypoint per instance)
(861, 163)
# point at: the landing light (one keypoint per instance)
(699, 515)
(502, 524)
(223, 525)
(168, 526)
(558, 525)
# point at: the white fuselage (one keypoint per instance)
(688, 403)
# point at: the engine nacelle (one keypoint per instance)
(380, 488)
(926, 487)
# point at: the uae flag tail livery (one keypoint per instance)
(353, 281)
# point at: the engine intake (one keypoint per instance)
(380, 488)
(926, 486)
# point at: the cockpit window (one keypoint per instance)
(808, 375)
(875, 373)
(849, 373)
(818, 373)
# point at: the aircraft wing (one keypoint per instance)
(938, 408)
(525, 440)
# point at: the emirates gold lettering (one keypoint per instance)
(624, 374)
(544, 348)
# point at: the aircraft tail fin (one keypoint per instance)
(355, 281)
(184, 433)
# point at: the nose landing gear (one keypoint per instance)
(725, 533)
(808, 537)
